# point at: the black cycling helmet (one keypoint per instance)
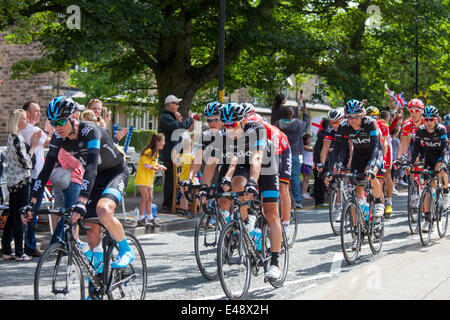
(353, 106)
(232, 112)
(212, 109)
(335, 114)
(61, 108)
(430, 112)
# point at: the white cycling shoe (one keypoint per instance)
(274, 273)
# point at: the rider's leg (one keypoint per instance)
(285, 200)
(237, 185)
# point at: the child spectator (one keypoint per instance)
(148, 164)
(88, 115)
(184, 160)
(307, 164)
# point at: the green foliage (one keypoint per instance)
(139, 139)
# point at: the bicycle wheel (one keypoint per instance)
(283, 261)
(57, 277)
(206, 238)
(334, 212)
(441, 216)
(425, 222)
(376, 232)
(128, 283)
(293, 222)
(233, 260)
(413, 207)
(350, 231)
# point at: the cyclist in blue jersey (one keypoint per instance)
(105, 177)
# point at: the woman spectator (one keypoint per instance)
(276, 115)
(18, 179)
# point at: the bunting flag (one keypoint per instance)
(400, 101)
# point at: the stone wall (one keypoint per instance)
(14, 93)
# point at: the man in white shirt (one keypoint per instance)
(33, 117)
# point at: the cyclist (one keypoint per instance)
(244, 152)
(431, 140)
(415, 108)
(374, 113)
(368, 151)
(105, 176)
(283, 151)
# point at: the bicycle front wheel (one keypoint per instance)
(283, 261)
(350, 231)
(442, 216)
(292, 231)
(425, 220)
(376, 232)
(206, 238)
(57, 277)
(335, 212)
(128, 283)
(233, 260)
(413, 207)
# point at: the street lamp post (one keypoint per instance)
(221, 50)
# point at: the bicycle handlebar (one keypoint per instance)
(65, 213)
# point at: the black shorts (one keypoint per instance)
(432, 158)
(360, 161)
(110, 184)
(285, 167)
(268, 184)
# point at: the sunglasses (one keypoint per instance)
(353, 117)
(231, 125)
(415, 110)
(212, 120)
(58, 123)
(429, 119)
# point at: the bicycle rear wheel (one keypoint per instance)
(442, 216)
(291, 234)
(425, 222)
(283, 261)
(206, 238)
(376, 232)
(233, 260)
(350, 231)
(128, 283)
(413, 207)
(57, 277)
(334, 212)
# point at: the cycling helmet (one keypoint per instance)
(431, 112)
(232, 112)
(447, 118)
(61, 108)
(248, 108)
(212, 109)
(354, 106)
(372, 111)
(416, 103)
(336, 114)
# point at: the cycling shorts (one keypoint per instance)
(268, 184)
(432, 158)
(110, 184)
(285, 167)
(361, 160)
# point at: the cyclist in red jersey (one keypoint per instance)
(283, 150)
(409, 129)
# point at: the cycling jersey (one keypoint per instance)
(330, 135)
(94, 148)
(409, 129)
(366, 143)
(432, 144)
(274, 134)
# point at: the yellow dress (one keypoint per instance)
(144, 176)
(186, 160)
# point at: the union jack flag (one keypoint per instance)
(389, 92)
(399, 100)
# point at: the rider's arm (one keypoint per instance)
(255, 164)
(444, 143)
(324, 151)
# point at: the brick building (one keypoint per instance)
(14, 93)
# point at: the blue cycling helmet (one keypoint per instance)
(61, 108)
(447, 118)
(212, 109)
(353, 106)
(430, 112)
(232, 112)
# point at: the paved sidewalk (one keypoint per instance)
(417, 273)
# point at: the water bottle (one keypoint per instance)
(433, 191)
(225, 215)
(134, 215)
(257, 238)
(85, 249)
(364, 208)
(154, 211)
(98, 258)
(250, 225)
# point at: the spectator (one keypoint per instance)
(96, 105)
(294, 128)
(106, 116)
(319, 185)
(33, 112)
(88, 115)
(68, 197)
(276, 115)
(18, 179)
(395, 144)
(307, 164)
(185, 159)
(167, 125)
(145, 175)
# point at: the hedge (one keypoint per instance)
(139, 139)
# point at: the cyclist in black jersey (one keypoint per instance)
(368, 151)
(105, 177)
(247, 159)
(431, 142)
